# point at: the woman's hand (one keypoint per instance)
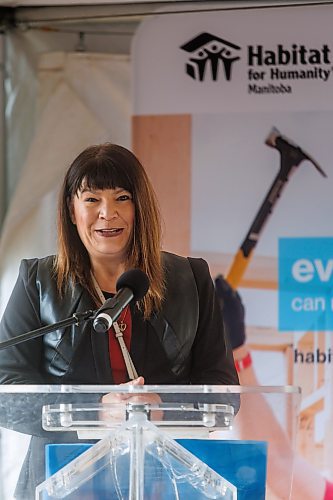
(118, 414)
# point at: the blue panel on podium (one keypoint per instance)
(243, 463)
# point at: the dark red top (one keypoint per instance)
(118, 367)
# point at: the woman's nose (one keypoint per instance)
(108, 211)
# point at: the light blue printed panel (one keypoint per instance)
(306, 284)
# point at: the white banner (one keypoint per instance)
(208, 88)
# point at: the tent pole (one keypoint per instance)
(3, 182)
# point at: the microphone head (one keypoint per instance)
(136, 280)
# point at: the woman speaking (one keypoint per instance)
(109, 223)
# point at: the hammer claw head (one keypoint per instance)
(317, 166)
(280, 142)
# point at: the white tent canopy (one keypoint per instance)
(58, 101)
(29, 3)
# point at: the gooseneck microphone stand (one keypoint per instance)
(76, 319)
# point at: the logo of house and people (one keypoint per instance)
(210, 56)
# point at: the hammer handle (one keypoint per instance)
(243, 256)
(237, 269)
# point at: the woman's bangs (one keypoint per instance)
(105, 176)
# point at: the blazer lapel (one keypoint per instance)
(99, 344)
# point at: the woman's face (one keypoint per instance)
(104, 219)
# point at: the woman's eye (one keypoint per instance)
(124, 197)
(90, 199)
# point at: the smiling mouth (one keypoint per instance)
(109, 232)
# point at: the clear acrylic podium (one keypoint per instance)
(63, 442)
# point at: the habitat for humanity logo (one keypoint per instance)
(265, 68)
(209, 52)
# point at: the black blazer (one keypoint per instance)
(184, 343)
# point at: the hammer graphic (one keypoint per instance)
(291, 157)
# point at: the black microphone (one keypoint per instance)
(133, 284)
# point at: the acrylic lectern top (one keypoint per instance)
(33, 418)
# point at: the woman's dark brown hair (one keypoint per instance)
(107, 166)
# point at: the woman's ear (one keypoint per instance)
(70, 204)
